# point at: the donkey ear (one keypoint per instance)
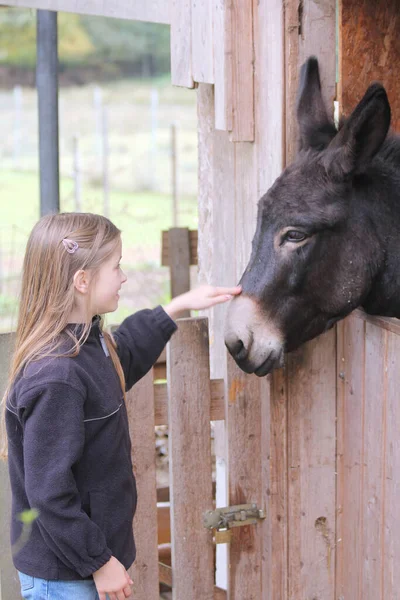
(316, 129)
(361, 136)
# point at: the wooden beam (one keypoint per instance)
(190, 481)
(165, 255)
(202, 41)
(217, 411)
(242, 71)
(181, 43)
(144, 571)
(223, 64)
(153, 11)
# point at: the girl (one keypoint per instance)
(67, 427)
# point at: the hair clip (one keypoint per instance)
(70, 245)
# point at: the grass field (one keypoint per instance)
(140, 216)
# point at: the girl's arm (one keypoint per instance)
(200, 298)
(142, 337)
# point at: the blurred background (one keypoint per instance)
(128, 145)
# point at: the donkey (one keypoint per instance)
(327, 238)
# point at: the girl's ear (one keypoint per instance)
(81, 281)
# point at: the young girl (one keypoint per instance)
(67, 427)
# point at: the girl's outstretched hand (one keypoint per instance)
(200, 298)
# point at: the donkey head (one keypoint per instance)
(314, 252)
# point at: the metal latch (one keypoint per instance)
(223, 519)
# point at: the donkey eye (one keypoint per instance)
(294, 236)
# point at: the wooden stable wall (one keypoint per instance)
(286, 457)
(369, 51)
(368, 433)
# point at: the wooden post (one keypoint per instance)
(98, 113)
(174, 176)
(140, 407)
(105, 150)
(179, 261)
(17, 94)
(154, 103)
(77, 175)
(190, 460)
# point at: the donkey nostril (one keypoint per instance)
(238, 350)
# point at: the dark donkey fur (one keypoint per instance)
(328, 232)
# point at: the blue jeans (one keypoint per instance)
(33, 588)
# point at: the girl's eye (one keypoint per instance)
(294, 236)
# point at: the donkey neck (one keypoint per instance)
(379, 192)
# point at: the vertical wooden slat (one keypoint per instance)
(277, 511)
(243, 71)
(140, 407)
(245, 469)
(391, 530)
(309, 29)
(217, 260)
(351, 369)
(202, 41)
(312, 480)
(375, 349)
(179, 262)
(311, 370)
(181, 43)
(223, 64)
(269, 141)
(190, 460)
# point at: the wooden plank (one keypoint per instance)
(163, 523)
(217, 403)
(384, 322)
(202, 41)
(351, 371)
(369, 48)
(216, 263)
(391, 529)
(181, 43)
(193, 241)
(311, 370)
(312, 466)
(242, 71)
(223, 68)
(166, 577)
(190, 480)
(275, 577)
(373, 461)
(153, 11)
(309, 29)
(244, 398)
(144, 572)
(179, 263)
(269, 141)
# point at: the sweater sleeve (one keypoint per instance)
(140, 340)
(53, 442)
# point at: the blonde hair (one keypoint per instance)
(47, 290)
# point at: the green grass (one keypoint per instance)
(140, 216)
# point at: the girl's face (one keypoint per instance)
(107, 283)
